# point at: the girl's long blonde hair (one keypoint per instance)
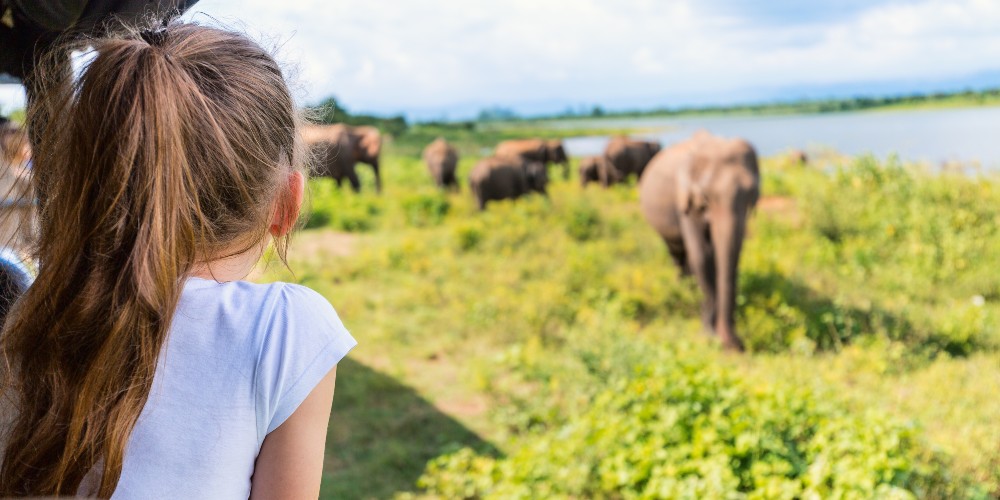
(167, 149)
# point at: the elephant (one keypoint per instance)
(551, 151)
(506, 177)
(442, 160)
(798, 157)
(336, 149)
(598, 169)
(18, 215)
(630, 156)
(698, 195)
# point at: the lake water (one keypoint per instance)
(935, 136)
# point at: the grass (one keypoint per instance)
(868, 292)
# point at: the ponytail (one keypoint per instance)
(167, 150)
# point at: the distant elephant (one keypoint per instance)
(798, 157)
(698, 195)
(598, 169)
(338, 148)
(551, 151)
(506, 177)
(442, 160)
(630, 156)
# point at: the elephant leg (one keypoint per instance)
(701, 263)
(728, 227)
(352, 177)
(679, 255)
(378, 176)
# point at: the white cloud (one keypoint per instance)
(432, 53)
(646, 63)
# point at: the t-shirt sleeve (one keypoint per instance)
(303, 341)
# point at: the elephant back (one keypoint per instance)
(528, 149)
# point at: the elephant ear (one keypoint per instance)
(371, 144)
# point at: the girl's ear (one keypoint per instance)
(286, 211)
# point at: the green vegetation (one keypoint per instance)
(478, 138)
(547, 348)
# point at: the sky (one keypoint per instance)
(449, 58)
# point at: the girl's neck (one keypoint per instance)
(235, 267)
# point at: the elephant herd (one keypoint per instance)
(696, 194)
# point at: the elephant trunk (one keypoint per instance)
(727, 230)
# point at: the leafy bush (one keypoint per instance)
(899, 232)
(425, 210)
(468, 237)
(583, 223)
(688, 430)
(337, 208)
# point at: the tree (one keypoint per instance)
(330, 111)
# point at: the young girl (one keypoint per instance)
(138, 364)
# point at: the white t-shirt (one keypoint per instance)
(240, 358)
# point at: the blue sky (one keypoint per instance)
(448, 58)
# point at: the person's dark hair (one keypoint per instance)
(168, 149)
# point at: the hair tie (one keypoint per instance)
(154, 37)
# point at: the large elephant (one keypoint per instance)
(551, 151)
(630, 156)
(598, 169)
(336, 149)
(506, 177)
(442, 160)
(698, 195)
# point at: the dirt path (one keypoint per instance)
(323, 242)
(781, 208)
(776, 204)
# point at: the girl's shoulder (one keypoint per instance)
(305, 339)
(297, 338)
(279, 297)
(272, 308)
